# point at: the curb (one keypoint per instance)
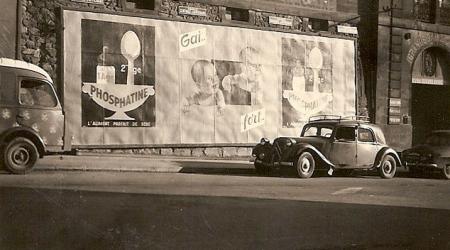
(131, 163)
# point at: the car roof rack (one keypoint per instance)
(339, 118)
(360, 118)
(324, 117)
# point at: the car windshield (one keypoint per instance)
(317, 131)
(438, 139)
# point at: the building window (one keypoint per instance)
(428, 63)
(318, 24)
(425, 10)
(235, 14)
(444, 12)
(138, 5)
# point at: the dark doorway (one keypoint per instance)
(430, 109)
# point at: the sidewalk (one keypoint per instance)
(132, 163)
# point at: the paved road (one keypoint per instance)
(208, 205)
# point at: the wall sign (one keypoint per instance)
(395, 102)
(281, 20)
(394, 120)
(395, 111)
(329, 5)
(89, 1)
(192, 11)
(347, 30)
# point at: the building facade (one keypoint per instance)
(76, 41)
(412, 92)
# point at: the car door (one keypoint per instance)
(366, 149)
(343, 147)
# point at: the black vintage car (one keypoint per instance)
(329, 142)
(432, 155)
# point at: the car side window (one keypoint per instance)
(326, 132)
(35, 92)
(345, 134)
(365, 135)
(310, 131)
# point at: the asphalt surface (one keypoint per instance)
(140, 202)
(36, 218)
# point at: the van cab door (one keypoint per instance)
(40, 110)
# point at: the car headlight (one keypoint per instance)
(290, 142)
(264, 141)
(261, 156)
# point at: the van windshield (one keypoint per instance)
(36, 93)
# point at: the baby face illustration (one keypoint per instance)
(207, 80)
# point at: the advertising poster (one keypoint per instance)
(156, 82)
(117, 74)
(307, 81)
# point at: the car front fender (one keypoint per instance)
(316, 153)
(385, 151)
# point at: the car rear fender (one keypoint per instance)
(387, 151)
(314, 151)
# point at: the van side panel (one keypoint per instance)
(8, 99)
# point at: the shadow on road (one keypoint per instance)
(240, 169)
(56, 219)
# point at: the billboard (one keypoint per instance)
(167, 82)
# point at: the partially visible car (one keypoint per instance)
(432, 155)
(330, 142)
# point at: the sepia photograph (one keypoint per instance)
(224, 124)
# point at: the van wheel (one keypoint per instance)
(305, 165)
(20, 155)
(388, 167)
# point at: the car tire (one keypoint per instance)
(20, 155)
(305, 165)
(387, 167)
(446, 172)
(261, 169)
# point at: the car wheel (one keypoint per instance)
(388, 167)
(261, 169)
(305, 165)
(20, 155)
(446, 172)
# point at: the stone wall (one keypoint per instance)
(198, 152)
(41, 28)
